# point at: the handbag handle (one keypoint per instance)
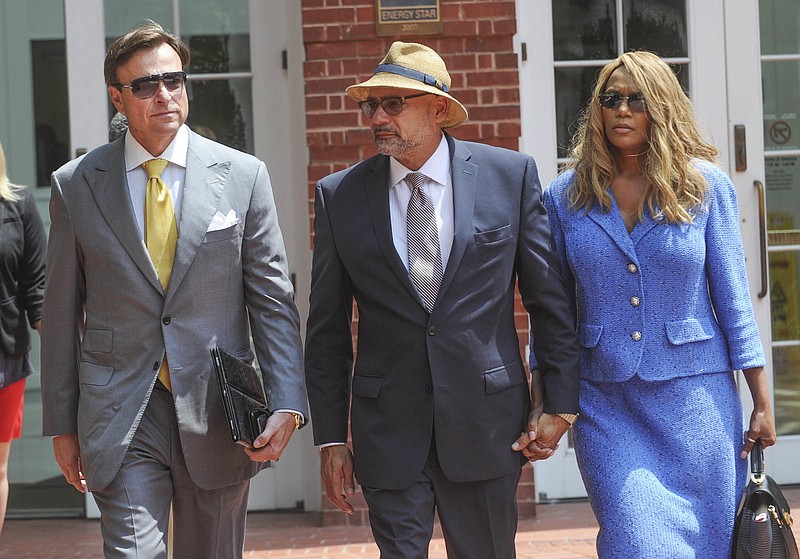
(757, 462)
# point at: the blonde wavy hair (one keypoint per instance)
(8, 190)
(675, 188)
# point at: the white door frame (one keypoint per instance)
(87, 94)
(745, 106)
(86, 87)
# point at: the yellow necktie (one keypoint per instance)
(161, 233)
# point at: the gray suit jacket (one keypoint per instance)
(107, 321)
(456, 374)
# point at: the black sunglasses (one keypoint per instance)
(612, 100)
(390, 105)
(146, 87)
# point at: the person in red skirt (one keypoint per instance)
(23, 247)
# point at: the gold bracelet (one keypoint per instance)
(298, 419)
(568, 417)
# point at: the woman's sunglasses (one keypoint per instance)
(146, 87)
(612, 100)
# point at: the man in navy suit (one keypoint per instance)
(430, 238)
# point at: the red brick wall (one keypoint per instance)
(342, 48)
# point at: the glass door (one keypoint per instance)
(780, 71)
(762, 55)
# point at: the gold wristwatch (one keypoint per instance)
(298, 419)
(568, 417)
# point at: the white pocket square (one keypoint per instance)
(221, 221)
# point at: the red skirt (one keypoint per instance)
(12, 400)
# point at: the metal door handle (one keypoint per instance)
(762, 236)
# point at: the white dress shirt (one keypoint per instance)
(173, 175)
(439, 189)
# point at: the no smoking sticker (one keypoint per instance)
(780, 132)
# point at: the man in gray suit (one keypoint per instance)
(128, 387)
(430, 238)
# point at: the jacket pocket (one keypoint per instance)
(589, 335)
(94, 374)
(221, 234)
(503, 377)
(365, 386)
(9, 315)
(686, 331)
(500, 234)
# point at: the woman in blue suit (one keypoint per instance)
(647, 229)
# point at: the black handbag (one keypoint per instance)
(763, 528)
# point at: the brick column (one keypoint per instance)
(342, 49)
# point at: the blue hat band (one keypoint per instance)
(413, 74)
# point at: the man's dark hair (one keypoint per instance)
(146, 35)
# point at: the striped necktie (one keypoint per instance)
(424, 252)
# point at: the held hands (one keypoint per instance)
(269, 445)
(337, 476)
(544, 430)
(541, 439)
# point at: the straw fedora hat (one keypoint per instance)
(413, 66)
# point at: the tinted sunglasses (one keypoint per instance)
(390, 105)
(146, 87)
(612, 100)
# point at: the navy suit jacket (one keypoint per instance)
(455, 374)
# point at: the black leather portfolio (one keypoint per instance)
(246, 406)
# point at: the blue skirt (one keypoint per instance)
(660, 461)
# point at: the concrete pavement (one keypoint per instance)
(560, 531)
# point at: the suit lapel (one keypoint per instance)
(109, 185)
(464, 175)
(643, 227)
(611, 222)
(377, 191)
(202, 188)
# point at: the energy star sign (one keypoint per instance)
(407, 17)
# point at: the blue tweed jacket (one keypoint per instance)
(663, 301)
